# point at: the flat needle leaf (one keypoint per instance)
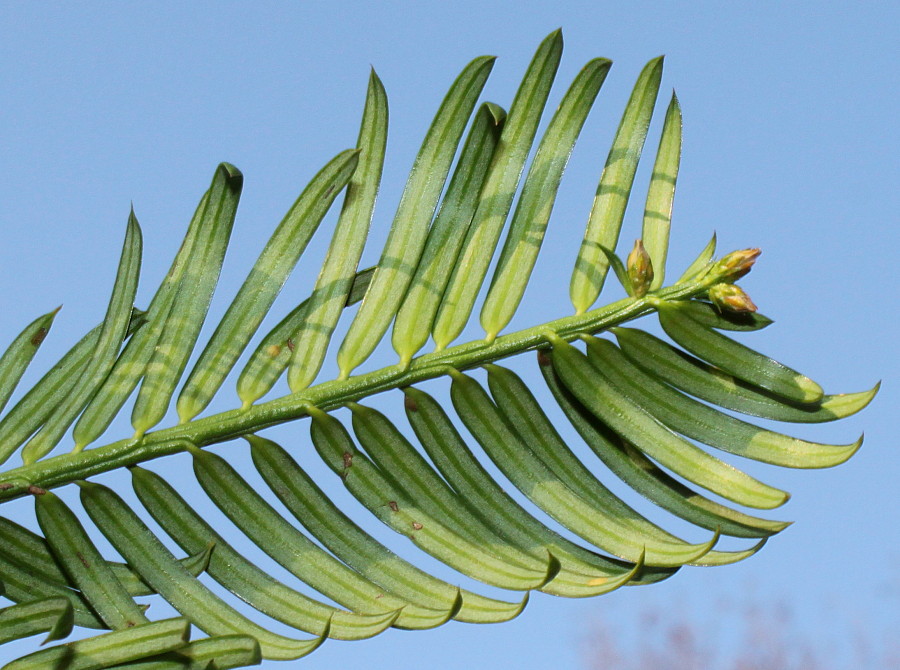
(112, 334)
(614, 189)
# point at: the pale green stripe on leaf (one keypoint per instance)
(414, 214)
(590, 385)
(263, 283)
(53, 616)
(445, 239)
(735, 358)
(390, 504)
(541, 485)
(110, 649)
(188, 311)
(641, 474)
(109, 342)
(247, 581)
(296, 552)
(709, 383)
(18, 355)
(705, 424)
(498, 192)
(661, 194)
(129, 367)
(529, 223)
(153, 561)
(84, 565)
(336, 276)
(273, 354)
(608, 210)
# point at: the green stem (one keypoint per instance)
(63, 469)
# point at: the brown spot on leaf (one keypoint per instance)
(36, 490)
(410, 404)
(83, 560)
(5, 486)
(543, 358)
(394, 506)
(417, 526)
(290, 343)
(39, 337)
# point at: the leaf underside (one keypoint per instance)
(663, 418)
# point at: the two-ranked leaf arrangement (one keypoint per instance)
(641, 404)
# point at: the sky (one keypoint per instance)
(790, 145)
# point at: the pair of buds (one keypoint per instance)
(726, 295)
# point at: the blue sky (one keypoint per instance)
(790, 144)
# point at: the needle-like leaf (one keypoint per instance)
(129, 367)
(298, 554)
(358, 549)
(374, 490)
(524, 415)
(53, 616)
(263, 283)
(212, 653)
(711, 317)
(274, 353)
(700, 264)
(18, 355)
(641, 474)
(590, 385)
(418, 203)
(526, 231)
(595, 524)
(32, 552)
(250, 583)
(447, 234)
(614, 189)
(336, 276)
(188, 311)
(582, 572)
(709, 383)
(111, 649)
(498, 192)
(158, 567)
(736, 358)
(22, 585)
(84, 565)
(710, 426)
(112, 334)
(660, 195)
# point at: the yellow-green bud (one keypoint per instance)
(736, 264)
(731, 298)
(640, 270)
